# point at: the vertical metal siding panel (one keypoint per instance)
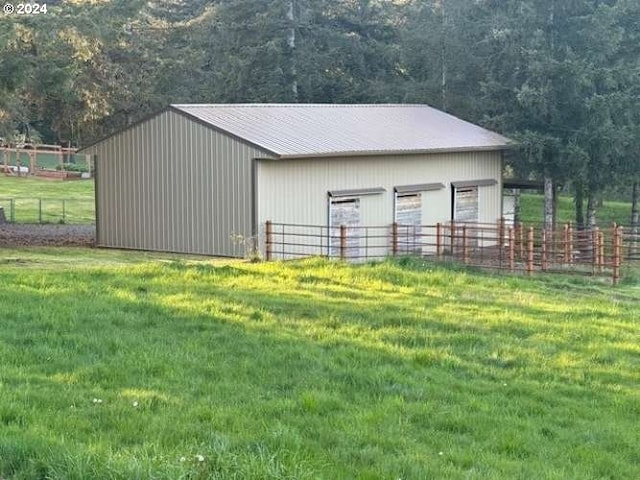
(117, 210)
(196, 174)
(308, 180)
(136, 184)
(165, 186)
(109, 188)
(175, 182)
(177, 153)
(219, 187)
(225, 186)
(152, 174)
(112, 186)
(172, 184)
(147, 197)
(136, 163)
(205, 175)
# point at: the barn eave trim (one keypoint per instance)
(487, 182)
(356, 192)
(422, 187)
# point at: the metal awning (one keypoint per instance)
(356, 192)
(422, 187)
(487, 182)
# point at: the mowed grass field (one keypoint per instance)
(128, 365)
(532, 206)
(48, 201)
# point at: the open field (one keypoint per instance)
(38, 200)
(128, 365)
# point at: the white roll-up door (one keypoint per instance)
(345, 211)
(466, 204)
(408, 216)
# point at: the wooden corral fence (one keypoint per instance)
(13, 159)
(496, 246)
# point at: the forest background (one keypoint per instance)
(561, 77)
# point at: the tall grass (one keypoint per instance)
(121, 365)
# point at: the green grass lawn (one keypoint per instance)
(532, 211)
(128, 365)
(49, 201)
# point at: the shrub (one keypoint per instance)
(73, 167)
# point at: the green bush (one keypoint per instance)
(73, 167)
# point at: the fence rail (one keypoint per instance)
(497, 246)
(47, 210)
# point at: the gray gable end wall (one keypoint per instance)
(172, 184)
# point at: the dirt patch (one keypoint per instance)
(12, 235)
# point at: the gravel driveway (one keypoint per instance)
(13, 235)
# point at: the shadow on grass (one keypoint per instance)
(330, 355)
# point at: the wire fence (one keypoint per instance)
(499, 246)
(47, 210)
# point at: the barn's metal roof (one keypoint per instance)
(318, 130)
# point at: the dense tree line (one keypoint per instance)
(560, 76)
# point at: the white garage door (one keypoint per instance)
(345, 212)
(466, 204)
(409, 218)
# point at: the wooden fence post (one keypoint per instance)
(453, 238)
(565, 243)
(544, 249)
(501, 223)
(594, 250)
(32, 162)
(465, 249)
(60, 158)
(520, 239)
(438, 240)
(530, 251)
(617, 241)
(600, 251)
(512, 249)
(394, 239)
(268, 240)
(343, 242)
(570, 238)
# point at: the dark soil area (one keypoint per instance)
(12, 235)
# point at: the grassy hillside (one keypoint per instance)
(37, 199)
(126, 365)
(610, 212)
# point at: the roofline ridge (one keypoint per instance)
(299, 105)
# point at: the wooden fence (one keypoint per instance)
(496, 246)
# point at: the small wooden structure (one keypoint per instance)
(13, 154)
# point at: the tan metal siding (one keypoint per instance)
(296, 190)
(171, 184)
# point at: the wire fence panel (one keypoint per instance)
(48, 210)
(495, 246)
